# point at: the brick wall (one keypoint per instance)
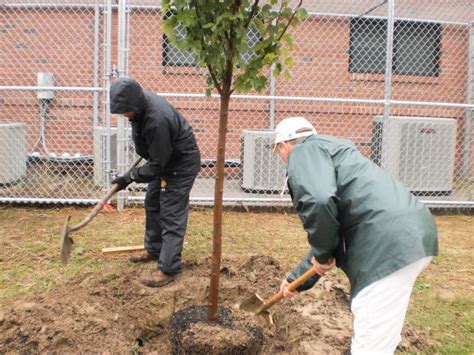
(62, 41)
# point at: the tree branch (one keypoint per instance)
(203, 48)
(290, 20)
(214, 79)
(252, 13)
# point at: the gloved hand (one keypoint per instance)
(122, 181)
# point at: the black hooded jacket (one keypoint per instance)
(161, 134)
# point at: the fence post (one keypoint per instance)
(121, 123)
(469, 100)
(389, 60)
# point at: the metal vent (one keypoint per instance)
(12, 152)
(418, 151)
(262, 170)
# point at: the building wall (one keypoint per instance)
(62, 41)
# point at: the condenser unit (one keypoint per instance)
(262, 170)
(12, 152)
(418, 151)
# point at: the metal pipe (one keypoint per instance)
(95, 106)
(252, 97)
(108, 74)
(127, 49)
(469, 111)
(50, 88)
(272, 101)
(121, 38)
(427, 103)
(121, 70)
(48, 200)
(433, 203)
(324, 99)
(278, 200)
(157, 8)
(389, 60)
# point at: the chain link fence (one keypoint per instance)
(394, 77)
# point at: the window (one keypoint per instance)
(416, 47)
(253, 37)
(173, 56)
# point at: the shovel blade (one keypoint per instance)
(252, 304)
(66, 242)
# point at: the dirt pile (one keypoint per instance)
(110, 311)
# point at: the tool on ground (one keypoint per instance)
(259, 306)
(66, 240)
(126, 249)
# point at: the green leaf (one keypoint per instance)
(302, 13)
(217, 35)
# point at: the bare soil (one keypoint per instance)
(110, 311)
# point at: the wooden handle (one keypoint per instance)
(291, 287)
(102, 202)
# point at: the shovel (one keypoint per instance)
(259, 306)
(66, 241)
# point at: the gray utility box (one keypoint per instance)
(13, 154)
(418, 151)
(262, 170)
(45, 80)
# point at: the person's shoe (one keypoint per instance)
(142, 258)
(158, 279)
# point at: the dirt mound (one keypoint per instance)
(110, 311)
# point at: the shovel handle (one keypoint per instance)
(291, 287)
(104, 200)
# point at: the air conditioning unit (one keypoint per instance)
(12, 152)
(100, 141)
(262, 170)
(418, 151)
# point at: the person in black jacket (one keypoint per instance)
(166, 140)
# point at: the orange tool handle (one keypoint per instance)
(291, 287)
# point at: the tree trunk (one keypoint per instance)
(218, 207)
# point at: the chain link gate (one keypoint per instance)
(52, 100)
(395, 77)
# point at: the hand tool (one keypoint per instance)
(66, 241)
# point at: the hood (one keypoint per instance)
(126, 95)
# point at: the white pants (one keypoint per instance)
(379, 311)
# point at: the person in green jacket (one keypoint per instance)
(364, 221)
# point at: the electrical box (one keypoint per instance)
(262, 170)
(45, 80)
(418, 151)
(12, 152)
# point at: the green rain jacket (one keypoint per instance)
(354, 211)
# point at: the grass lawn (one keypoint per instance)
(442, 304)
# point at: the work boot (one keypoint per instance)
(142, 257)
(157, 279)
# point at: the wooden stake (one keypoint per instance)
(118, 250)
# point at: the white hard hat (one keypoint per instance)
(292, 128)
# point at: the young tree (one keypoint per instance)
(217, 32)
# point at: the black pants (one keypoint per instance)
(167, 208)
